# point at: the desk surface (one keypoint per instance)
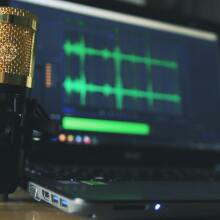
(21, 207)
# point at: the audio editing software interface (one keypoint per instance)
(109, 77)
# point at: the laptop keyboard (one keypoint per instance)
(125, 174)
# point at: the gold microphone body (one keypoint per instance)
(17, 46)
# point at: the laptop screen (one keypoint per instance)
(107, 77)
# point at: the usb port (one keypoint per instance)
(46, 195)
(64, 203)
(55, 199)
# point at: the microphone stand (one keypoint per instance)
(19, 118)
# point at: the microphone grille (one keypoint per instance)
(17, 42)
(16, 11)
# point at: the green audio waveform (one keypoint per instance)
(82, 87)
(80, 49)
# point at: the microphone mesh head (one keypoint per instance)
(17, 45)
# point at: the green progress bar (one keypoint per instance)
(105, 126)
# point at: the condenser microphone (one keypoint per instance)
(17, 54)
(17, 45)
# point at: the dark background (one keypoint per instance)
(208, 10)
(203, 9)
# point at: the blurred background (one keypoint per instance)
(202, 9)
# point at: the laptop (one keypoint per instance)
(134, 104)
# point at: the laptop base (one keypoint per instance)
(150, 209)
